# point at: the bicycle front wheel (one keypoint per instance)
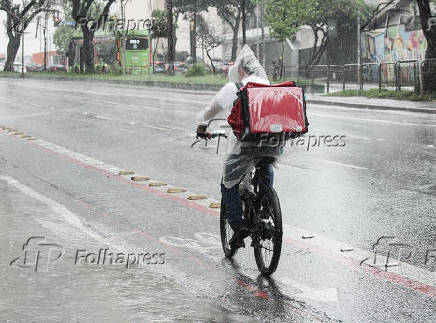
(268, 236)
(226, 233)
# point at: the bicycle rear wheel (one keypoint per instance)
(226, 233)
(268, 236)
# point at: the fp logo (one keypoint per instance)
(38, 252)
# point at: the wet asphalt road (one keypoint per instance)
(378, 182)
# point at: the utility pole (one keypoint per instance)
(123, 38)
(45, 41)
(359, 53)
(263, 33)
(22, 45)
(257, 29)
(244, 38)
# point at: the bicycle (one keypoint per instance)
(262, 216)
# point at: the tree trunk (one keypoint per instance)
(193, 34)
(88, 49)
(211, 61)
(169, 6)
(244, 37)
(235, 37)
(429, 68)
(13, 46)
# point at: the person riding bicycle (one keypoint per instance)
(241, 157)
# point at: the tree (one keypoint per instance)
(82, 9)
(286, 16)
(230, 12)
(63, 33)
(233, 12)
(18, 17)
(158, 27)
(171, 48)
(429, 75)
(191, 8)
(208, 38)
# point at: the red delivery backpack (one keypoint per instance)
(263, 111)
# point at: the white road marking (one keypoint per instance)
(402, 268)
(369, 120)
(103, 117)
(154, 127)
(59, 209)
(358, 137)
(339, 164)
(328, 295)
(318, 241)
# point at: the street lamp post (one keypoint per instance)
(123, 38)
(22, 46)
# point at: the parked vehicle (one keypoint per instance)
(34, 68)
(224, 69)
(180, 67)
(57, 68)
(18, 68)
(159, 67)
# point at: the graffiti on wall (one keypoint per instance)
(391, 45)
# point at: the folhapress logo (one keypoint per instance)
(38, 254)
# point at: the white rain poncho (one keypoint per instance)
(237, 164)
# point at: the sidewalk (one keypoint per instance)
(373, 104)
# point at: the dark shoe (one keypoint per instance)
(237, 240)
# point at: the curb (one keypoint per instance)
(371, 106)
(171, 85)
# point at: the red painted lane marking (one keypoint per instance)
(254, 290)
(392, 277)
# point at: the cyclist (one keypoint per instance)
(241, 157)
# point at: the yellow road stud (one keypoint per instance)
(139, 178)
(197, 197)
(176, 190)
(215, 205)
(126, 172)
(31, 138)
(157, 184)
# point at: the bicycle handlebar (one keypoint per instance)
(211, 135)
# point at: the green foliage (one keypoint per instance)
(159, 25)
(62, 37)
(286, 16)
(196, 70)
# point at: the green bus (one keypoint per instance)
(111, 53)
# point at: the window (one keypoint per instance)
(136, 43)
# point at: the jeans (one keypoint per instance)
(231, 198)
